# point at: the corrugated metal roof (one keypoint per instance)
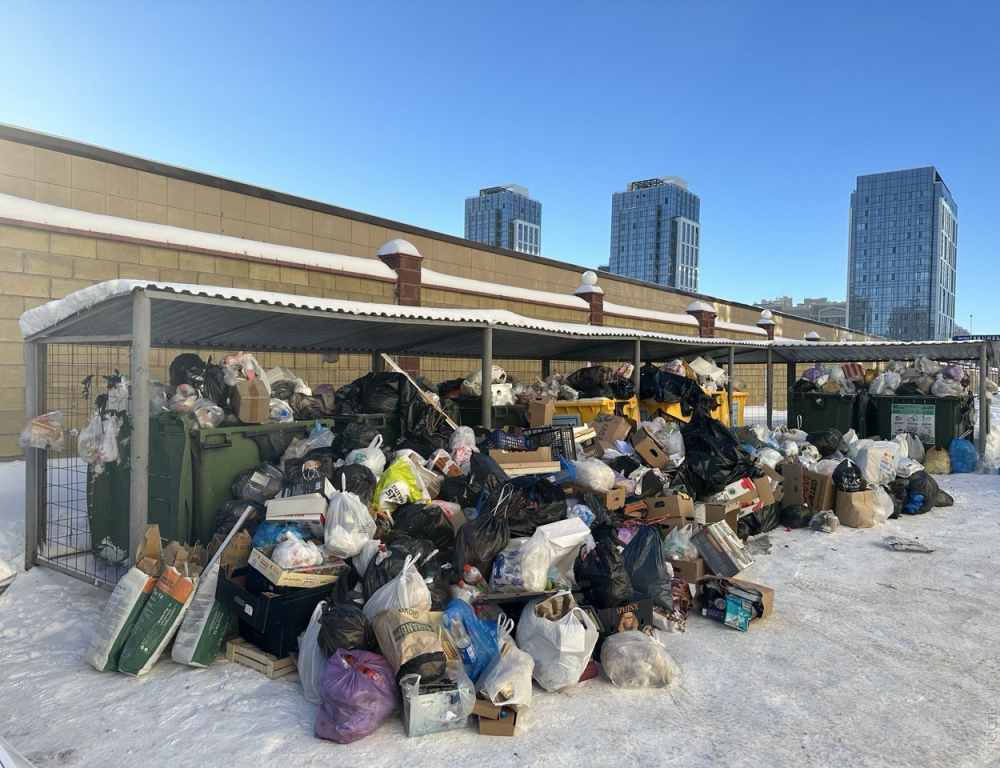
(801, 351)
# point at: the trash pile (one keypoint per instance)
(923, 377)
(589, 382)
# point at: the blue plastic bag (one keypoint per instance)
(268, 533)
(474, 639)
(963, 456)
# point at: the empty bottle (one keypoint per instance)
(463, 641)
(474, 577)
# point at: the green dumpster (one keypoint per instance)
(814, 411)
(387, 424)
(471, 413)
(935, 420)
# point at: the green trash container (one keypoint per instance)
(170, 489)
(471, 412)
(935, 420)
(814, 411)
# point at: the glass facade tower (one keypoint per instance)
(505, 217)
(655, 234)
(902, 255)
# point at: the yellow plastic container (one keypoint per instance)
(739, 405)
(720, 413)
(588, 408)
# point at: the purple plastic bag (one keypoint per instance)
(358, 692)
(955, 372)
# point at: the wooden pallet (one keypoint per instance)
(249, 655)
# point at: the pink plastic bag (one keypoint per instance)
(358, 693)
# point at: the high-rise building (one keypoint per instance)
(902, 255)
(820, 310)
(505, 217)
(655, 234)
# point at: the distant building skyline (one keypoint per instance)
(819, 310)
(656, 232)
(902, 255)
(505, 217)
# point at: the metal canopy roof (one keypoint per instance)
(797, 351)
(187, 315)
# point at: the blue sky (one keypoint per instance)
(769, 110)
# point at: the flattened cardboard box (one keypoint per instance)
(320, 574)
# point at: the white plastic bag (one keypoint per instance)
(463, 437)
(908, 467)
(88, 442)
(242, 365)
(883, 506)
(913, 448)
(946, 388)
(311, 661)
(633, 659)
(559, 637)
(506, 681)
(472, 386)
(407, 590)
(445, 710)
(361, 560)
(293, 552)
(207, 415)
(372, 456)
(565, 538)
(595, 474)
(349, 524)
(878, 462)
(523, 566)
(109, 440)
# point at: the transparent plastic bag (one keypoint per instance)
(44, 432)
(463, 437)
(522, 566)
(293, 552)
(207, 415)
(672, 440)
(311, 661)
(159, 398)
(281, 412)
(937, 462)
(677, 545)
(633, 659)
(963, 456)
(88, 442)
(349, 524)
(319, 437)
(109, 439)
(429, 714)
(943, 387)
(506, 681)
(184, 398)
(242, 365)
(372, 456)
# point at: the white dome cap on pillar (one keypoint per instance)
(399, 245)
(589, 283)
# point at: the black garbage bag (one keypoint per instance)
(761, 521)
(380, 392)
(908, 388)
(345, 626)
(899, 491)
(714, 457)
(622, 388)
(181, 365)
(548, 503)
(647, 381)
(924, 486)
(672, 388)
(212, 383)
(601, 573)
(943, 499)
(591, 381)
(352, 437)
(795, 516)
(258, 483)
(283, 390)
(484, 476)
(804, 385)
(306, 407)
(827, 441)
(420, 421)
(625, 465)
(437, 577)
(645, 562)
(348, 398)
(651, 484)
(385, 566)
(317, 463)
(847, 477)
(424, 521)
(357, 479)
(230, 511)
(450, 388)
(479, 542)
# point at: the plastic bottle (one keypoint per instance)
(474, 577)
(462, 641)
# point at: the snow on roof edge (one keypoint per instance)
(430, 278)
(99, 223)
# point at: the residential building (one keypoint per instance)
(902, 255)
(505, 217)
(655, 232)
(820, 310)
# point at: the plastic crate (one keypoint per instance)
(387, 424)
(559, 437)
(585, 410)
(565, 475)
(935, 420)
(506, 441)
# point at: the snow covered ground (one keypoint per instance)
(871, 658)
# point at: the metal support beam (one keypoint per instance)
(637, 362)
(35, 462)
(139, 413)
(729, 386)
(546, 368)
(378, 364)
(769, 388)
(487, 412)
(984, 409)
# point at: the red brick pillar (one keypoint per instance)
(767, 323)
(593, 294)
(405, 260)
(705, 314)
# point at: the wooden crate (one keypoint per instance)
(249, 655)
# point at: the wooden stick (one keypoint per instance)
(427, 398)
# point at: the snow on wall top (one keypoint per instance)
(39, 319)
(699, 306)
(430, 278)
(399, 245)
(52, 215)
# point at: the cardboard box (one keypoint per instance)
(540, 411)
(774, 475)
(728, 512)
(613, 499)
(320, 485)
(724, 553)
(251, 401)
(856, 510)
(494, 720)
(297, 509)
(650, 449)
(635, 614)
(541, 455)
(671, 505)
(236, 555)
(608, 427)
(689, 570)
(801, 486)
(313, 576)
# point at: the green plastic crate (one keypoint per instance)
(818, 410)
(935, 420)
(471, 413)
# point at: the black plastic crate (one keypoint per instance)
(559, 437)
